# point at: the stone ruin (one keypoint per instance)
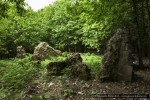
(74, 62)
(20, 52)
(116, 62)
(43, 51)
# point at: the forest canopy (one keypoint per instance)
(73, 25)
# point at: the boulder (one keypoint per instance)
(80, 69)
(43, 51)
(20, 52)
(74, 58)
(55, 68)
(116, 62)
(74, 62)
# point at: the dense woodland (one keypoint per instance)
(73, 25)
(70, 26)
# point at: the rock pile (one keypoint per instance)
(20, 52)
(43, 51)
(116, 62)
(74, 62)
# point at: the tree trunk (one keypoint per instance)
(140, 56)
(148, 12)
(143, 27)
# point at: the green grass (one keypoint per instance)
(15, 73)
(52, 59)
(93, 62)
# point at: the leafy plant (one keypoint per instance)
(15, 73)
(68, 92)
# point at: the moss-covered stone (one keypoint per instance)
(74, 62)
(116, 62)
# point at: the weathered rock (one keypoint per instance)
(43, 51)
(20, 52)
(74, 62)
(55, 68)
(82, 71)
(116, 62)
(74, 58)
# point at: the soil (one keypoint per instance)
(63, 88)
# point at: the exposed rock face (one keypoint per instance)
(74, 62)
(43, 51)
(116, 62)
(20, 52)
(55, 68)
(74, 58)
(80, 69)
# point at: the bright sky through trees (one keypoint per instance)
(38, 4)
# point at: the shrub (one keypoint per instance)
(15, 73)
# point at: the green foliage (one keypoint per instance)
(5, 6)
(37, 98)
(93, 62)
(69, 25)
(15, 73)
(68, 92)
(79, 25)
(6, 48)
(52, 96)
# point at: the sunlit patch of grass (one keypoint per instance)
(93, 61)
(52, 59)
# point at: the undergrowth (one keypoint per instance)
(93, 62)
(16, 74)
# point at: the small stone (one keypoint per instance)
(74, 83)
(20, 52)
(86, 85)
(80, 93)
(50, 84)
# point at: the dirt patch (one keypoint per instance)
(65, 88)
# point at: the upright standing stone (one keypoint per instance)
(116, 62)
(125, 62)
(20, 52)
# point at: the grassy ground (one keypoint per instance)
(17, 75)
(94, 63)
(14, 75)
(23, 79)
